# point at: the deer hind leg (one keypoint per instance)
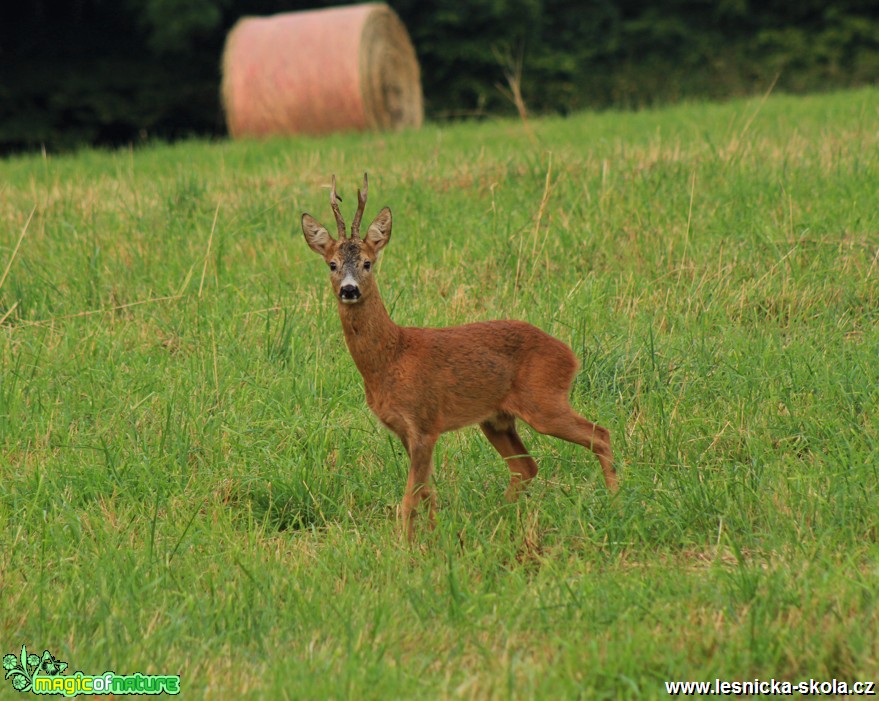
(418, 488)
(501, 433)
(560, 420)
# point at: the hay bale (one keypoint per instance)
(320, 71)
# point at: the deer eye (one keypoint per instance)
(367, 265)
(333, 265)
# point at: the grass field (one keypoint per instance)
(192, 483)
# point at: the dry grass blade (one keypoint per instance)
(207, 254)
(547, 190)
(17, 246)
(106, 310)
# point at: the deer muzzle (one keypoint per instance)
(349, 293)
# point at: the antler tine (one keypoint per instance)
(361, 205)
(334, 203)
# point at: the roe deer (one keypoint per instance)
(421, 382)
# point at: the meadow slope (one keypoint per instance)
(192, 483)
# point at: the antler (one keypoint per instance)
(361, 204)
(334, 203)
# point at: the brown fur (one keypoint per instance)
(421, 382)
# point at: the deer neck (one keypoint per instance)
(373, 338)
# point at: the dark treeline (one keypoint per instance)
(116, 71)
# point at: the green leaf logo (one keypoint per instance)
(22, 669)
(50, 665)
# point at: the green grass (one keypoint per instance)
(192, 482)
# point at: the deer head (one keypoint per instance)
(350, 258)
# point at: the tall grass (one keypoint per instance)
(192, 483)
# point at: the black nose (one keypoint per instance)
(349, 292)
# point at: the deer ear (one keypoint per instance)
(379, 232)
(316, 235)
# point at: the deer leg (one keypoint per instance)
(563, 422)
(501, 433)
(418, 487)
(405, 443)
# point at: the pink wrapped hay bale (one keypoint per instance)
(320, 71)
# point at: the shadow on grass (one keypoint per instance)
(282, 506)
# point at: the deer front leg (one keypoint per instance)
(418, 487)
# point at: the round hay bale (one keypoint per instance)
(320, 71)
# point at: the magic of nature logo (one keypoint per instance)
(45, 675)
